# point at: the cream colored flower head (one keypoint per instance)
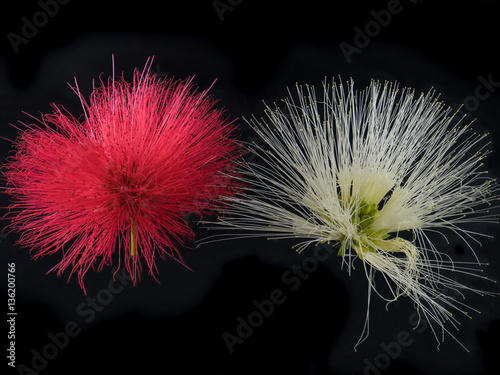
(356, 170)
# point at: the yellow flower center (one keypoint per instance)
(366, 237)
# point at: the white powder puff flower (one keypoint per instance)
(357, 170)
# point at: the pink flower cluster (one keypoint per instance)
(121, 178)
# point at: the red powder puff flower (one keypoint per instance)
(123, 177)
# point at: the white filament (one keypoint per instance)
(323, 160)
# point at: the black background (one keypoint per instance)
(255, 51)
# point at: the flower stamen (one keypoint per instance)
(366, 237)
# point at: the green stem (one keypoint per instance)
(133, 244)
